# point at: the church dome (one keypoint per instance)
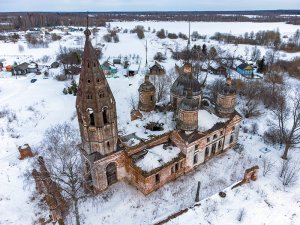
(185, 81)
(147, 85)
(228, 88)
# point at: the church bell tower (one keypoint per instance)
(95, 106)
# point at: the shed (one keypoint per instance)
(157, 69)
(116, 61)
(133, 69)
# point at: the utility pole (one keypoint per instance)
(189, 40)
(146, 53)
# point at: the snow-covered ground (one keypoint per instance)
(30, 108)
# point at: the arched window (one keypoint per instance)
(151, 98)
(195, 158)
(220, 145)
(111, 173)
(231, 139)
(92, 116)
(213, 148)
(206, 151)
(89, 81)
(101, 94)
(215, 136)
(89, 96)
(104, 115)
(88, 65)
(108, 145)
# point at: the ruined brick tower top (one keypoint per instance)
(188, 113)
(146, 95)
(226, 99)
(95, 105)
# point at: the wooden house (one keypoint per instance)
(218, 69)
(157, 69)
(245, 70)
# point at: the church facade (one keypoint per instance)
(151, 163)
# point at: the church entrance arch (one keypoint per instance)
(111, 173)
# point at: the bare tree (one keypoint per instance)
(251, 93)
(288, 123)
(267, 165)
(133, 103)
(289, 172)
(62, 158)
(162, 85)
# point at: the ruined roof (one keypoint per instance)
(228, 89)
(183, 83)
(158, 65)
(196, 135)
(22, 66)
(189, 103)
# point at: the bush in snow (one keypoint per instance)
(241, 215)
(61, 77)
(267, 165)
(161, 34)
(172, 36)
(182, 36)
(55, 37)
(289, 172)
(159, 57)
(107, 38)
(65, 91)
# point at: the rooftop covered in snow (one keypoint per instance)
(156, 157)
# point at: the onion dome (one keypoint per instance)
(185, 81)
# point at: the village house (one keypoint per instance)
(109, 68)
(24, 68)
(218, 69)
(199, 133)
(245, 70)
(156, 69)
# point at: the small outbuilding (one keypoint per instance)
(157, 69)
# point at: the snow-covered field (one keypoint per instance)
(33, 107)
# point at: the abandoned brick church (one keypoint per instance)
(150, 163)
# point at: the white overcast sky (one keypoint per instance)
(142, 5)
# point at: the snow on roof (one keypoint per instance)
(207, 120)
(157, 157)
(133, 142)
(32, 66)
(133, 67)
